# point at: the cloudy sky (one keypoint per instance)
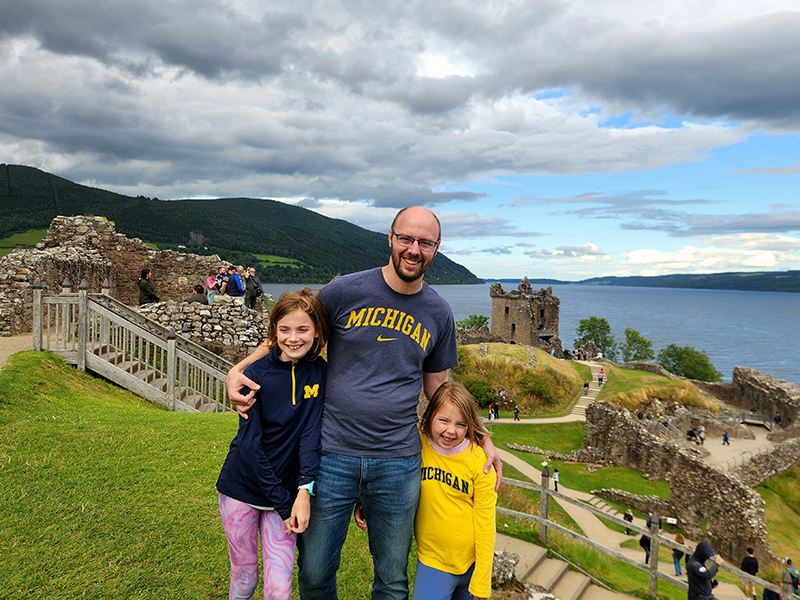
(555, 138)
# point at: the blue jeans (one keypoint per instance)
(676, 560)
(389, 490)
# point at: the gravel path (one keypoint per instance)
(12, 345)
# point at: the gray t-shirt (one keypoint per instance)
(381, 342)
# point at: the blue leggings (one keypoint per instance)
(433, 584)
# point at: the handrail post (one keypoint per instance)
(105, 325)
(38, 314)
(655, 525)
(66, 288)
(171, 355)
(83, 323)
(543, 503)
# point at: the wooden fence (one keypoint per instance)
(99, 333)
(656, 539)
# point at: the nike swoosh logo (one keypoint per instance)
(383, 339)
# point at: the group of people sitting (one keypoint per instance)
(232, 284)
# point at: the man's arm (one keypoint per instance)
(235, 381)
(432, 381)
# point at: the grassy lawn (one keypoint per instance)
(634, 389)
(270, 260)
(21, 240)
(564, 437)
(106, 496)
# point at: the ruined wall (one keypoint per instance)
(523, 316)
(227, 329)
(89, 248)
(769, 464)
(733, 513)
(766, 394)
(645, 504)
(482, 335)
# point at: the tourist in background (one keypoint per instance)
(677, 555)
(726, 440)
(235, 285)
(253, 289)
(644, 544)
(212, 287)
(790, 578)
(555, 479)
(749, 566)
(628, 516)
(700, 576)
(600, 376)
(769, 594)
(147, 293)
(198, 296)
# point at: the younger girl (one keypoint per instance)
(455, 524)
(267, 479)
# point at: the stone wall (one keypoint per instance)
(766, 394)
(769, 464)
(732, 512)
(226, 329)
(644, 504)
(89, 248)
(482, 335)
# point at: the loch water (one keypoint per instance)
(760, 330)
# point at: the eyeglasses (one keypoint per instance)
(406, 241)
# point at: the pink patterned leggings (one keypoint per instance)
(242, 524)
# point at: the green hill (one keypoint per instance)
(240, 230)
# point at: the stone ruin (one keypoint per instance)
(88, 247)
(523, 316)
(732, 512)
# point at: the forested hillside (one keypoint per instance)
(285, 243)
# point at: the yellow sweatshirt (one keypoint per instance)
(455, 524)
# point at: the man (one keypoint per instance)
(700, 577)
(749, 566)
(253, 288)
(391, 335)
(235, 287)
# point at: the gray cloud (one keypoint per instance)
(332, 100)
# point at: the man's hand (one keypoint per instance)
(718, 559)
(358, 515)
(492, 458)
(236, 382)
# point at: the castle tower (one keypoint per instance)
(523, 316)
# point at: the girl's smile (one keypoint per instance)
(296, 335)
(448, 427)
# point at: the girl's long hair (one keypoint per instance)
(308, 302)
(457, 394)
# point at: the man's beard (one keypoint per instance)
(409, 277)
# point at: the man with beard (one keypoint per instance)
(391, 335)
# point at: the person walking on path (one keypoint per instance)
(392, 336)
(677, 555)
(749, 566)
(147, 293)
(725, 439)
(555, 479)
(628, 516)
(516, 413)
(600, 375)
(644, 544)
(699, 575)
(586, 388)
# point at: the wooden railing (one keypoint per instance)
(656, 539)
(99, 333)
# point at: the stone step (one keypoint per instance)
(547, 573)
(571, 586)
(530, 555)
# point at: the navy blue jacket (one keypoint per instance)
(699, 576)
(277, 448)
